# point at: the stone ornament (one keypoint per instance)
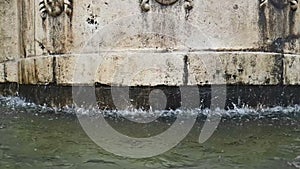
(293, 4)
(188, 5)
(166, 2)
(55, 8)
(58, 34)
(262, 3)
(145, 5)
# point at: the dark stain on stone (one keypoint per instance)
(279, 4)
(292, 22)
(43, 47)
(278, 69)
(278, 45)
(24, 22)
(234, 60)
(253, 63)
(234, 77)
(276, 25)
(92, 20)
(54, 61)
(262, 22)
(292, 62)
(227, 76)
(251, 95)
(36, 78)
(240, 70)
(259, 49)
(235, 7)
(5, 72)
(267, 81)
(186, 70)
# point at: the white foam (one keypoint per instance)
(16, 103)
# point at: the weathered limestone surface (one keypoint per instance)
(9, 30)
(38, 70)
(235, 68)
(115, 69)
(11, 72)
(150, 43)
(230, 25)
(2, 74)
(152, 69)
(64, 68)
(292, 69)
(142, 69)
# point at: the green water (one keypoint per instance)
(32, 140)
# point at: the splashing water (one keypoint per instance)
(34, 136)
(278, 111)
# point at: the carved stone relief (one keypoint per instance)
(277, 21)
(145, 5)
(57, 25)
(188, 5)
(55, 8)
(293, 3)
(166, 2)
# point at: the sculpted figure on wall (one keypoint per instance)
(188, 5)
(57, 26)
(279, 31)
(293, 3)
(166, 2)
(55, 8)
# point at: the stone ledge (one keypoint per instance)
(153, 69)
(122, 69)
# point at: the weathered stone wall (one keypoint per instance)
(9, 30)
(237, 42)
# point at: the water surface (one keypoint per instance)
(33, 137)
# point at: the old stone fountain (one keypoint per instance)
(252, 47)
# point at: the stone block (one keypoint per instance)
(248, 68)
(292, 70)
(2, 73)
(142, 69)
(38, 70)
(11, 72)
